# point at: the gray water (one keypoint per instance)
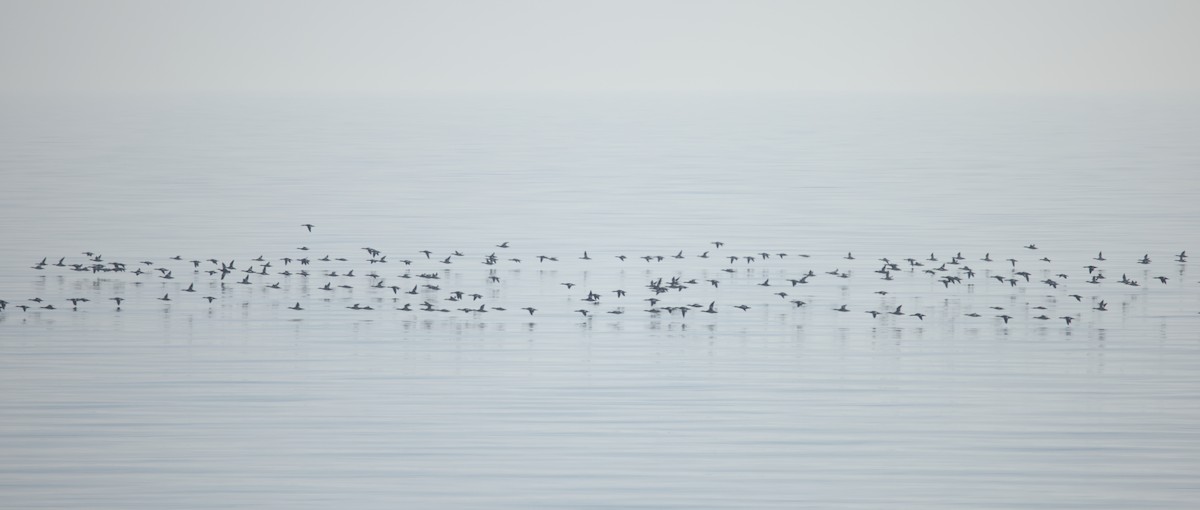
(245, 403)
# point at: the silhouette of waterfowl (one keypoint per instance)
(678, 283)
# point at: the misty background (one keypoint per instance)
(383, 47)
(211, 131)
(580, 123)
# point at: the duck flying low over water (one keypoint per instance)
(673, 283)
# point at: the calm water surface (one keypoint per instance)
(244, 403)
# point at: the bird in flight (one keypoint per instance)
(309, 226)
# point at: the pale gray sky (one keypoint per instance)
(938, 46)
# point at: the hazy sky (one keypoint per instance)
(1055, 46)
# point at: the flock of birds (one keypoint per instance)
(423, 292)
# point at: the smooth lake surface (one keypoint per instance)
(243, 402)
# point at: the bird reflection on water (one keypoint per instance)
(658, 297)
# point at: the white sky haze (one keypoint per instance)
(920, 46)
